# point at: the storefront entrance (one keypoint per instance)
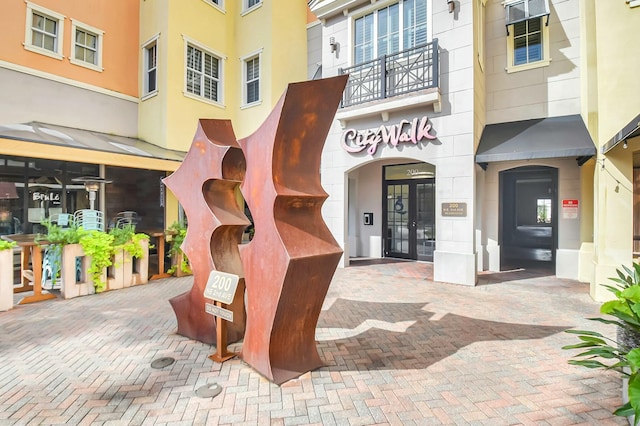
(528, 215)
(409, 211)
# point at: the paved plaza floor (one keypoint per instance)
(399, 349)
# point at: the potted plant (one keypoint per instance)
(175, 235)
(6, 274)
(622, 353)
(98, 246)
(58, 238)
(130, 252)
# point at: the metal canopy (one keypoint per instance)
(554, 137)
(86, 139)
(629, 131)
(526, 9)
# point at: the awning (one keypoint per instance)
(554, 137)
(86, 140)
(524, 10)
(629, 131)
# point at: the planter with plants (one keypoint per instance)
(130, 263)
(621, 353)
(65, 264)
(6, 275)
(175, 235)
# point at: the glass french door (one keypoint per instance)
(410, 219)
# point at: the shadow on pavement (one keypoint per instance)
(371, 336)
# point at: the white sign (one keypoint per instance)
(570, 209)
(217, 311)
(221, 287)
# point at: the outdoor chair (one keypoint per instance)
(89, 220)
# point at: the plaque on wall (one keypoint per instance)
(454, 209)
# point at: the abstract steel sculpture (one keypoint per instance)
(206, 184)
(289, 264)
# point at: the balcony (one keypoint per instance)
(392, 82)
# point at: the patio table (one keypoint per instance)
(30, 279)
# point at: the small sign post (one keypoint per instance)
(221, 287)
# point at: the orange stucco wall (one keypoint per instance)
(310, 16)
(118, 19)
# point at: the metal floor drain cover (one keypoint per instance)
(210, 390)
(162, 362)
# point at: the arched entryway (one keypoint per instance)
(528, 216)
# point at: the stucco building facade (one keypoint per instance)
(503, 172)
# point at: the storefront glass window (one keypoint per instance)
(43, 190)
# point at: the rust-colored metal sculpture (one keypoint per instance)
(205, 184)
(289, 264)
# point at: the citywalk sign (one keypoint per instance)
(414, 131)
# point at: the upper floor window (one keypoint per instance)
(203, 73)
(217, 3)
(150, 67)
(250, 4)
(528, 34)
(252, 80)
(44, 30)
(380, 30)
(87, 46)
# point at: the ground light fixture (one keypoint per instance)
(91, 185)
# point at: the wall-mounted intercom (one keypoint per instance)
(368, 218)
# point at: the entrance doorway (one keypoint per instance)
(528, 219)
(409, 211)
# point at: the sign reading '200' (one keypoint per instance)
(221, 287)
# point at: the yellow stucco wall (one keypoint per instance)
(278, 34)
(152, 111)
(610, 89)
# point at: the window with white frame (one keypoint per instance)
(248, 4)
(150, 67)
(43, 31)
(87, 46)
(252, 80)
(390, 29)
(528, 34)
(202, 73)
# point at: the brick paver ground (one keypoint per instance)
(399, 349)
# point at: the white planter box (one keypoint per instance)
(6, 280)
(75, 281)
(127, 271)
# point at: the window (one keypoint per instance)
(87, 46)
(218, 4)
(150, 67)
(543, 211)
(250, 4)
(44, 30)
(202, 73)
(252, 80)
(528, 34)
(380, 30)
(527, 42)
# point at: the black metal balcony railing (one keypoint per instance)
(392, 75)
